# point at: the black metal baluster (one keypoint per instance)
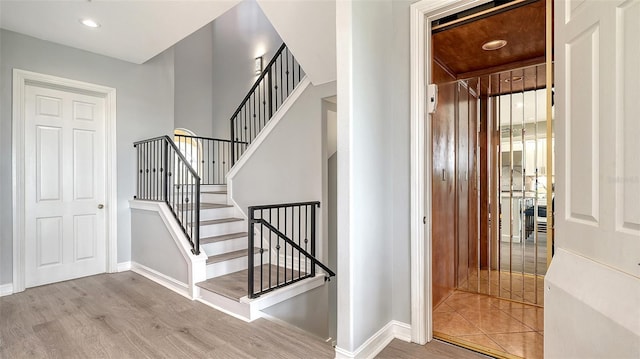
(313, 240)
(270, 264)
(299, 238)
(278, 247)
(261, 252)
(250, 250)
(306, 235)
(285, 245)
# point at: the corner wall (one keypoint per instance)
(144, 110)
(239, 36)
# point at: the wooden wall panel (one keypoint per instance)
(443, 191)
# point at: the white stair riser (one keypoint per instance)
(223, 228)
(214, 198)
(213, 188)
(216, 213)
(229, 245)
(233, 265)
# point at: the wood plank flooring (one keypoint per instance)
(435, 349)
(125, 315)
(234, 285)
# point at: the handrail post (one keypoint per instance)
(196, 215)
(313, 239)
(250, 254)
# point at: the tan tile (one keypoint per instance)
(526, 345)
(531, 317)
(494, 321)
(482, 340)
(443, 307)
(462, 300)
(454, 324)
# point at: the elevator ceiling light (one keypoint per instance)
(494, 45)
(89, 23)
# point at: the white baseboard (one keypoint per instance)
(377, 342)
(124, 266)
(162, 279)
(6, 289)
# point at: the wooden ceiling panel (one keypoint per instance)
(459, 49)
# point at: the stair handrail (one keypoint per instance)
(315, 260)
(156, 153)
(213, 157)
(265, 101)
(310, 228)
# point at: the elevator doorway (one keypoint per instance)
(492, 178)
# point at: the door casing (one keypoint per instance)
(21, 79)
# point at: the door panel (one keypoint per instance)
(597, 104)
(65, 170)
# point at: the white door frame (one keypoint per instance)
(422, 14)
(21, 79)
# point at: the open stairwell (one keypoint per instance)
(239, 264)
(224, 240)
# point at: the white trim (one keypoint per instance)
(197, 265)
(377, 342)
(124, 266)
(162, 279)
(264, 133)
(422, 13)
(6, 289)
(20, 80)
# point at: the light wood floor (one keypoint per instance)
(125, 315)
(433, 350)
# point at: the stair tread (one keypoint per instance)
(230, 255)
(223, 237)
(218, 221)
(234, 285)
(203, 205)
(214, 192)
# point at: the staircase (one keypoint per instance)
(251, 263)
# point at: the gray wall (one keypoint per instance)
(308, 311)
(401, 163)
(239, 36)
(194, 82)
(154, 247)
(373, 225)
(144, 109)
(294, 147)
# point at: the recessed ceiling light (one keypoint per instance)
(89, 23)
(494, 45)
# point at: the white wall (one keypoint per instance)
(288, 165)
(591, 310)
(373, 168)
(144, 109)
(309, 29)
(364, 177)
(193, 59)
(154, 247)
(239, 36)
(307, 311)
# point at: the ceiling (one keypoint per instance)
(133, 31)
(459, 48)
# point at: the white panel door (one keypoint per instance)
(64, 186)
(598, 130)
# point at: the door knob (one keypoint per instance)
(100, 206)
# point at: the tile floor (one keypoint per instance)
(504, 285)
(500, 327)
